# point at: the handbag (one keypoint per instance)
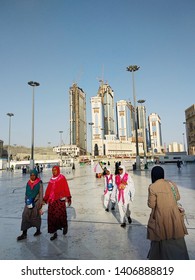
(181, 209)
(179, 205)
(30, 203)
(110, 186)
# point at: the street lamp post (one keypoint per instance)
(49, 143)
(141, 101)
(186, 148)
(32, 84)
(133, 68)
(91, 123)
(9, 115)
(61, 144)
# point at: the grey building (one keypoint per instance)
(78, 127)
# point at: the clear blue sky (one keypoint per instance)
(58, 42)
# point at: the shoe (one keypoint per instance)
(21, 237)
(129, 220)
(123, 225)
(38, 232)
(65, 230)
(113, 206)
(54, 236)
(107, 210)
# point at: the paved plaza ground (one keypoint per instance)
(93, 233)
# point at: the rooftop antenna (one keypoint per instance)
(101, 80)
(79, 75)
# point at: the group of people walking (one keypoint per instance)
(119, 190)
(57, 196)
(165, 229)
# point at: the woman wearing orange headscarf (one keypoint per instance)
(58, 197)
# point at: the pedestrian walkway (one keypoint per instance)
(93, 233)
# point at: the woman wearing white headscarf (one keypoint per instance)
(123, 193)
(108, 188)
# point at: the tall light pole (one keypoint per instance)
(49, 143)
(32, 84)
(91, 123)
(186, 148)
(9, 115)
(133, 68)
(141, 101)
(61, 143)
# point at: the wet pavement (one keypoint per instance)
(93, 233)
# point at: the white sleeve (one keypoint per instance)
(131, 187)
(105, 183)
(113, 195)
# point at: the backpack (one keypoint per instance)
(109, 185)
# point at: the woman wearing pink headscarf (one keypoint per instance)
(123, 193)
(57, 195)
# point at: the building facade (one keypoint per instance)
(103, 118)
(1, 148)
(106, 140)
(142, 126)
(124, 120)
(175, 147)
(155, 134)
(190, 129)
(78, 126)
(67, 150)
(106, 94)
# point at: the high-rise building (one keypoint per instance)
(107, 99)
(98, 125)
(155, 134)
(124, 120)
(102, 108)
(142, 127)
(190, 129)
(78, 127)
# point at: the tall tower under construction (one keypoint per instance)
(78, 128)
(106, 94)
(102, 107)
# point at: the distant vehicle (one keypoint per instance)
(84, 160)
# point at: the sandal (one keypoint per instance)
(54, 236)
(21, 237)
(38, 232)
(129, 220)
(123, 225)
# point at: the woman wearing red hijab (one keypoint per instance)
(56, 196)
